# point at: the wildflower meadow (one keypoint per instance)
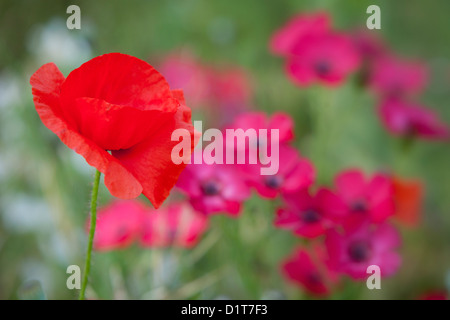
(212, 150)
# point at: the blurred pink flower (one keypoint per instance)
(230, 93)
(369, 200)
(434, 295)
(314, 52)
(182, 71)
(393, 77)
(406, 119)
(328, 59)
(259, 120)
(352, 252)
(230, 88)
(294, 173)
(221, 92)
(300, 26)
(213, 188)
(310, 216)
(122, 223)
(176, 225)
(369, 45)
(309, 271)
(118, 225)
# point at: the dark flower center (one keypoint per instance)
(261, 141)
(322, 67)
(410, 130)
(273, 182)
(359, 206)
(210, 188)
(359, 251)
(171, 235)
(314, 278)
(310, 216)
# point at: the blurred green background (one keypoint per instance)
(44, 186)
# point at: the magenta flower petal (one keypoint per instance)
(300, 26)
(309, 271)
(393, 77)
(353, 251)
(328, 59)
(366, 200)
(405, 119)
(214, 188)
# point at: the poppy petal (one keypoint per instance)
(102, 121)
(151, 163)
(46, 85)
(119, 79)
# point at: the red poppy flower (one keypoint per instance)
(408, 196)
(119, 113)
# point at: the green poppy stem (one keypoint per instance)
(87, 265)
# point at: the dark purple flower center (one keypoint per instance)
(210, 188)
(314, 278)
(262, 141)
(171, 235)
(359, 205)
(258, 143)
(410, 130)
(273, 182)
(359, 251)
(310, 216)
(322, 67)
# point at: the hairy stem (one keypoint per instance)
(87, 265)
